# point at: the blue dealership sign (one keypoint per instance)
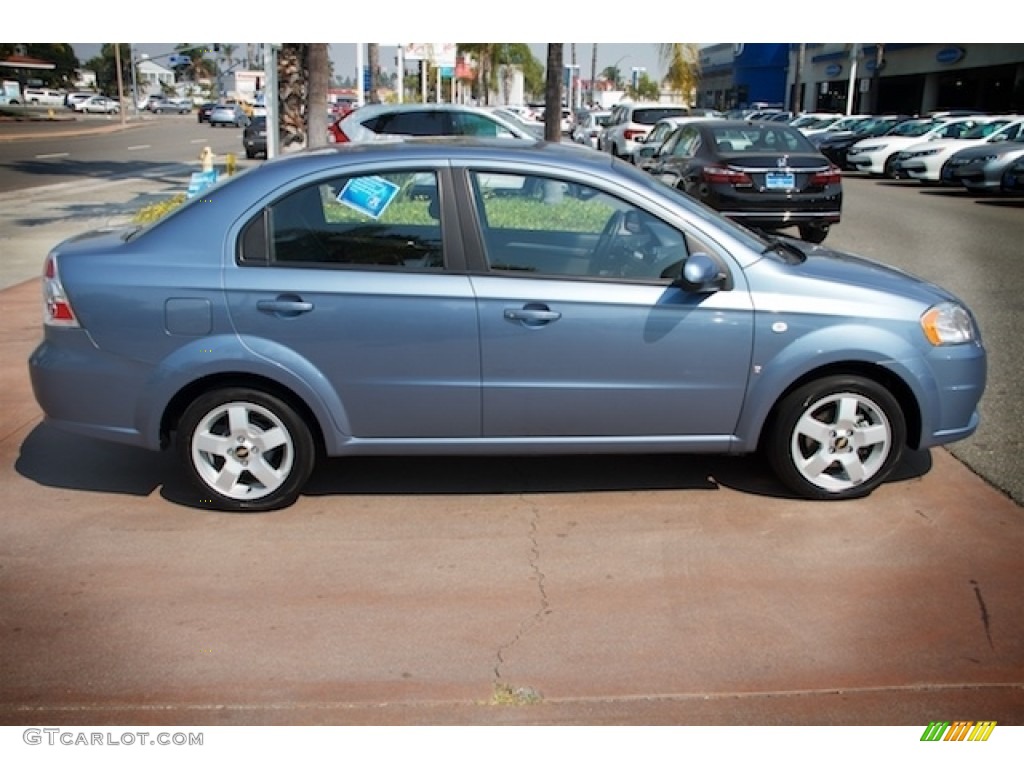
(950, 55)
(370, 195)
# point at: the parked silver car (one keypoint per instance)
(489, 297)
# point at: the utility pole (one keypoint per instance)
(593, 71)
(120, 83)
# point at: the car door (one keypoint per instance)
(358, 277)
(583, 333)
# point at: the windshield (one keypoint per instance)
(914, 128)
(983, 130)
(652, 115)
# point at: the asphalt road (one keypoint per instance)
(146, 146)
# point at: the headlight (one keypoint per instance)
(927, 152)
(872, 148)
(987, 158)
(948, 323)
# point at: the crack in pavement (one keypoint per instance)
(544, 607)
(984, 614)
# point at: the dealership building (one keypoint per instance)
(912, 78)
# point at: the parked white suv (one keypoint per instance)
(630, 123)
(45, 97)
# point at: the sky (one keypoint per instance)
(524, 20)
(625, 55)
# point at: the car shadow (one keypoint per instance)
(58, 459)
(1008, 201)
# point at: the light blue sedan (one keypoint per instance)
(461, 296)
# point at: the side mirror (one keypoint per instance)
(701, 274)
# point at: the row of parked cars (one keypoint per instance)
(982, 153)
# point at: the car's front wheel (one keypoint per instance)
(836, 438)
(245, 449)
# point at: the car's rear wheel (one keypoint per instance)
(245, 449)
(814, 233)
(836, 438)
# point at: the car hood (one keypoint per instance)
(1001, 149)
(842, 283)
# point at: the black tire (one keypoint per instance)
(250, 439)
(250, 154)
(888, 171)
(814, 233)
(836, 438)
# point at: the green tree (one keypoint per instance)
(646, 89)
(62, 55)
(105, 67)
(491, 57)
(682, 64)
(199, 67)
(613, 75)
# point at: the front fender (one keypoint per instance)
(855, 346)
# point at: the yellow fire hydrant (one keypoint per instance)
(206, 156)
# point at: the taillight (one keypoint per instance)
(632, 134)
(56, 306)
(717, 174)
(338, 135)
(823, 178)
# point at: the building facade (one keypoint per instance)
(911, 78)
(741, 75)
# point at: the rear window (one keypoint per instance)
(651, 115)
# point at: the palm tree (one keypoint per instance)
(292, 79)
(319, 73)
(682, 62)
(553, 93)
(372, 66)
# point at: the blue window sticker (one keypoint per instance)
(370, 195)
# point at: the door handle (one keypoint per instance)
(532, 314)
(285, 306)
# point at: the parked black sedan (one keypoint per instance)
(254, 137)
(765, 175)
(203, 113)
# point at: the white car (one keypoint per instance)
(877, 155)
(589, 127)
(97, 105)
(383, 122)
(630, 123)
(924, 161)
(645, 154)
